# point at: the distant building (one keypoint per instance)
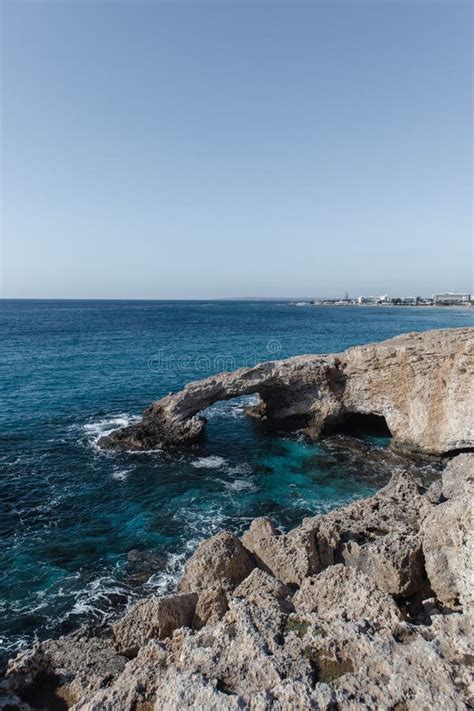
(450, 297)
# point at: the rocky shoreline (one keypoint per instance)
(367, 607)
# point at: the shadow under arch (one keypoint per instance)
(356, 424)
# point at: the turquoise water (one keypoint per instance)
(71, 514)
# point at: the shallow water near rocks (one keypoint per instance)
(84, 532)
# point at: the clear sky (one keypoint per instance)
(214, 149)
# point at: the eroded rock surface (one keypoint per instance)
(220, 561)
(211, 607)
(61, 672)
(153, 618)
(421, 383)
(290, 558)
(303, 622)
(448, 536)
(343, 592)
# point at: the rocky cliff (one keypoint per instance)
(367, 607)
(422, 384)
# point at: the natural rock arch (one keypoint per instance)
(422, 384)
(304, 390)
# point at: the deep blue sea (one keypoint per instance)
(84, 532)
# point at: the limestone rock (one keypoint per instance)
(260, 588)
(240, 652)
(422, 384)
(448, 536)
(345, 593)
(219, 561)
(449, 552)
(185, 690)
(211, 607)
(249, 660)
(261, 583)
(136, 688)
(395, 563)
(458, 477)
(64, 669)
(435, 492)
(378, 535)
(289, 558)
(153, 617)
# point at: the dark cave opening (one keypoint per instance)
(356, 424)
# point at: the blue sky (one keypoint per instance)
(219, 149)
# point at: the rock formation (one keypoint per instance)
(153, 618)
(422, 384)
(366, 607)
(222, 560)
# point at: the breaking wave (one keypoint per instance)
(105, 425)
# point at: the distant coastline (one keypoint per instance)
(451, 307)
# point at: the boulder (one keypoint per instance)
(153, 618)
(378, 535)
(221, 561)
(141, 565)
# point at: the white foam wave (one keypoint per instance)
(240, 485)
(121, 474)
(234, 409)
(166, 580)
(141, 452)
(100, 428)
(212, 462)
(95, 598)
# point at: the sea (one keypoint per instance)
(85, 532)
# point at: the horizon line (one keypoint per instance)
(216, 298)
